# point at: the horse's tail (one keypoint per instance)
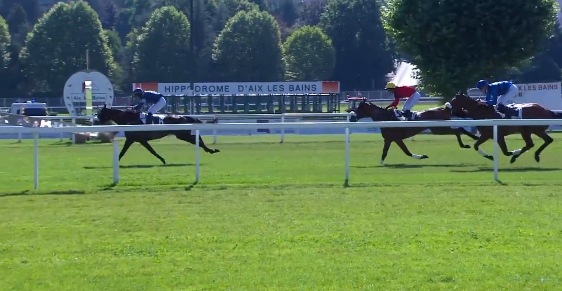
(556, 115)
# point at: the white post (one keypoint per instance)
(197, 156)
(347, 155)
(36, 161)
(115, 161)
(73, 135)
(19, 137)
(214, 136)
(282, 129)
(61, 134)
(496, 153)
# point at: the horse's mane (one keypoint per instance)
(477, 103)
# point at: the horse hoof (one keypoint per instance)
(163, 161)
(491, 158)
(424, 157)
(537, 158)
(216, 151)
(513, 159)
(466, 146)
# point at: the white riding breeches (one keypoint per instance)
(409, 104)
(157, 106)
(509, 96)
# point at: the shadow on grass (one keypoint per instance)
(139, 166)
(188, 188)
(109, 187)
(415, 166)
(506, 170)
(28, 192)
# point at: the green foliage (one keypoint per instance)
(249, 48)
(308, 55)
(454, 43)
(56, 48)
(162, 52)
(4, 46)
(363, 52)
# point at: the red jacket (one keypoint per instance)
(402, 92)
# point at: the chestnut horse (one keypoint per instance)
(479, 110)
(397, 135)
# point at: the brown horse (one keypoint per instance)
(125, 117)
(397, 135)
(478, 110)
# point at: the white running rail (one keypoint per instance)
(196, 128)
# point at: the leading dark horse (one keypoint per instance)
(125, 117)
(479, 110)
(397, 135)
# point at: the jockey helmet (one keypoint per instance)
(481, 83)
(138, 92)
(390, 85)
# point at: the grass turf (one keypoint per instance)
(270, 216)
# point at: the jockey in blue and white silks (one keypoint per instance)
(498, 94)
(149, 97)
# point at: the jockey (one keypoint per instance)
(402, 92)
(498, 94)
(149, 97)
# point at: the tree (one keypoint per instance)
(162, 53)
(309, 55)
(455, 43)
(310, 12)
(56, 47)
(249, 48)
(363, 53)
(17, 22)
(4, 49)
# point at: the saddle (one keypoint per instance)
(511, 111)
(404, 116)
(156, 119)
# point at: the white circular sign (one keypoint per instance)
(102, 90)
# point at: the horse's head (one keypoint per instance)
(106, 114)
(462, 105)
(368, 109)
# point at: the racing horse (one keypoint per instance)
(397, 135)
(479, 110)
(129, 116)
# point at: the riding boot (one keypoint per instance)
(501, 110)
(149, 118)
(407, 114)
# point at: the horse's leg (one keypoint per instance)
(452, 131)
(152, 151)
(482, 139)
(126, 146)
(404, 148)
(528, 145)
(503, 145)
(467, 133)
(385, 149)
(547, 140)
(186, 136)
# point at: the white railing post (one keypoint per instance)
(36, 161)
(347, 156)
(214, 136)
(19, 137)
(496, 158)
(282, 129)
(73, 135)
(115, 160)
(62, 133)
(197, 156)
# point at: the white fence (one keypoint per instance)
(196, 128)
